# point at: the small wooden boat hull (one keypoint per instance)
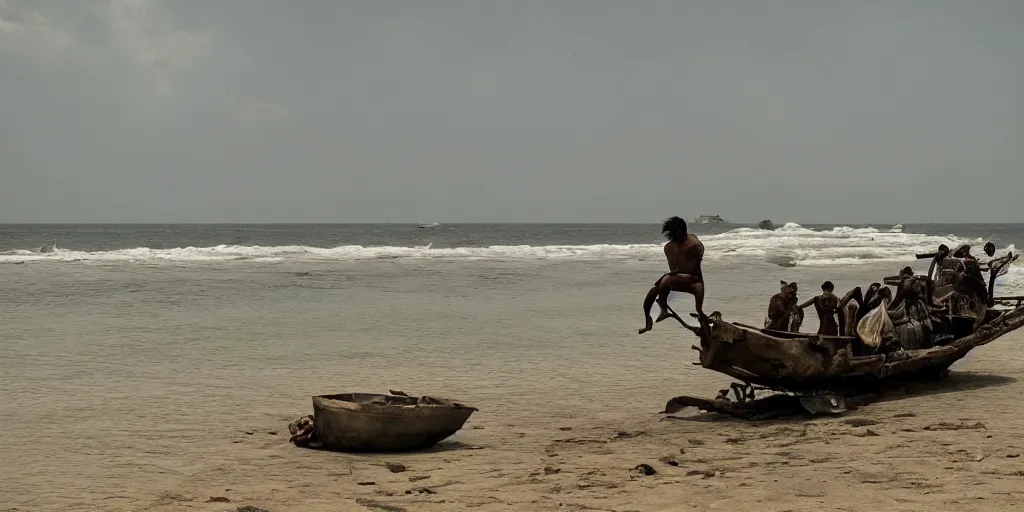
(362, 422)
(799, 362)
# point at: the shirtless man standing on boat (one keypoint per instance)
(684, 253)
(826, 305)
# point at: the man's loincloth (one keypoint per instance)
(698, 276)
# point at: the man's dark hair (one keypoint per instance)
(827, 286)
(674, 229)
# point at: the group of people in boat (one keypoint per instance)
(923, 305)
(953, 287)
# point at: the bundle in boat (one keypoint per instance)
(369, 422)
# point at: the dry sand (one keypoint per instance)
(955, 447)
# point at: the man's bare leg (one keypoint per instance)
(685, 284)
(652, 295)
(668, 285)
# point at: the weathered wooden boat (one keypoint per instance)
(816, 373)
(368, 422)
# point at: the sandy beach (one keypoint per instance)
(953, 448)
(212, 212)
(882, 457)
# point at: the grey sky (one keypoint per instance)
(513, 110)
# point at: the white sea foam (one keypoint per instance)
(790, 243)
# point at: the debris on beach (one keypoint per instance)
(395, 467)
(628, 434)
(955, 426)
(670, 460)
(303, 432)
(421, 490)
(644, 470)
(581, 440)
(705, 473)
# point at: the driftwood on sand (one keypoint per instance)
(362, 422)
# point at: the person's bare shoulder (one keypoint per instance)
(670, 248)
(694, 247)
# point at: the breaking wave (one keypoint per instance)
(789, 245)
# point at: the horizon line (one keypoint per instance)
(404, 223)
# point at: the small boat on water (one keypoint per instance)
(709, 219)
(428, 226)
(369, 422)
(766, 224)
(814, 373)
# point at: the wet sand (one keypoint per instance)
(167, 389)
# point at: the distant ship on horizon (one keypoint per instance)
(709, 219)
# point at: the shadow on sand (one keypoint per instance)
(953, 382)
(441, 447)
(786, 407)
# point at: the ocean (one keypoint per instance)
(134, 359)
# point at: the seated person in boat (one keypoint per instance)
(910, 312)
(942, 267)
(849, 310)
(826, 305)
(782, 309)
(967, 278)
(972, 265)
(871, 299)
(684, 253)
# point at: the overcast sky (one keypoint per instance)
(512, 110)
